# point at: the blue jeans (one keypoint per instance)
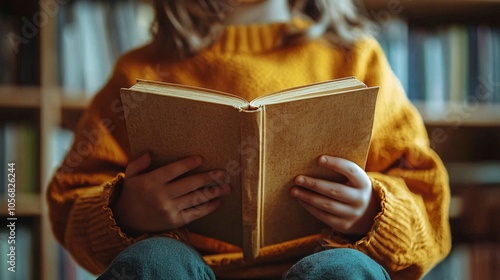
(161, 258)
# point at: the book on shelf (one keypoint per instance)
(472, 65)
(488, 46)
(434, 68)
(457, 66)
(416, 80)
(262, 145)
(19, 145)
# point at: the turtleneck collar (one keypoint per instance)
(255, 38)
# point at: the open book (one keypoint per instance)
(263, 145)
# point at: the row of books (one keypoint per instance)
(450, 63)
(92, 34)
(19, 144)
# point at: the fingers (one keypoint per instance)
(173, 170)
(194, 182)
(324, 203)
(154, 201)
(344, 207)
(201, 196)
(325, 217)
(198, 204)
(138, 165)
(191, 214)
(329, 189)
(355, 174)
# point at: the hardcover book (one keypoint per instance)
(262, 145)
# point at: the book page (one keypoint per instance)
(172, 128)
(309, 91)
(295, 134)
(191, 93)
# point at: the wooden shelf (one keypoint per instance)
(74, 103)
(27, 204)
(459, 114)
(19, 97)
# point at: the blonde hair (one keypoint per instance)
(186, 27)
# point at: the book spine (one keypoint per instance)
(251, 178)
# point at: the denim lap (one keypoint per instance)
(161, 258)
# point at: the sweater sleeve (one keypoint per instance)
(411, 233)
(80, 192)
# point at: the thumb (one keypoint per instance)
(138, 165)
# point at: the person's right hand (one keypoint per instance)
(155, 201)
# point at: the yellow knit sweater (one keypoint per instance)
(411, 233)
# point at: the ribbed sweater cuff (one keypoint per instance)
(96, 238)
(93, 227)
(393, 232)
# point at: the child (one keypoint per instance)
(391, 219)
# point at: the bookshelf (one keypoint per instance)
(38, 96)
(20, 135)
(456, 90)
(31, 94)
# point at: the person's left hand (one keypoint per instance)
(349, 208)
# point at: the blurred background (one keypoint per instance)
(55, 54)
